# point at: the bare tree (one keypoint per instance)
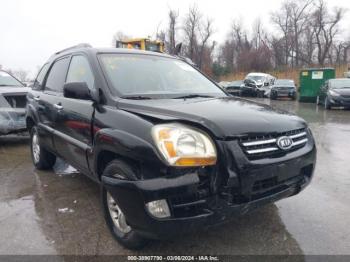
(282, 19)
(299, 13)
(119, 36)
(258, 33)
(325, 26)
(277, 50)
(21, 74)
(173, 20)
(191, 27)
(205, 31)
(307, 44)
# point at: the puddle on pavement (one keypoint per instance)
(63, 168)
(21, 232)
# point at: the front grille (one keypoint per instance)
(285, 88)
(256, 147)
(18, 101)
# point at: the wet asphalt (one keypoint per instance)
(45, 213)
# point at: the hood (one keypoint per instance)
(342, 91)
(15, 90)
(225, 117)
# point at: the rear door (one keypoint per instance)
(73, 136)
(48, 97)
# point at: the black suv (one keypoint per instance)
(171, 151)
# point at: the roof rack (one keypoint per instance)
(82, 45)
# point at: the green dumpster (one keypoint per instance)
(311, 80)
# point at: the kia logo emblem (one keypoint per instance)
(284, 142)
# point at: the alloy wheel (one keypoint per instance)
(117, 215)
(36, 148)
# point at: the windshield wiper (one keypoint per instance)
(191, 96)
(137, 97)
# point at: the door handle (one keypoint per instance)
(37, 98)
(58, 106)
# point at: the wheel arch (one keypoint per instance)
(104, 157)
(113, 144)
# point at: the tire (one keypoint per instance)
(118, 227)
(327, 104)
(42, 159)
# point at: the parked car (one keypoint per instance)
(223, 84)
(335, 92)
(234, 87)
(257, 84)
(12, 104)
(171, 151)
(283, 88)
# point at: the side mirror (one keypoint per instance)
(77, 90)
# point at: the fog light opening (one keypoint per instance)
(158, 208)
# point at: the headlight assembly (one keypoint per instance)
(332, 93)
(181, 145)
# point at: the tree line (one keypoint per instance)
(307, 34)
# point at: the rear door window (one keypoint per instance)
(57, 75)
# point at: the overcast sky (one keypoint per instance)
(32, 30)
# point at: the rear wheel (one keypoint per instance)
(42, 159)
(114, 216)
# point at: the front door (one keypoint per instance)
(73, 136)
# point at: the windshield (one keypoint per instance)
(340, 83)
(284, 82)
(155, 77)
(236, 83)
(8, 80)
(256, 78)
(152, 47)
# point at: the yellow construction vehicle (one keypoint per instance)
(142, 44)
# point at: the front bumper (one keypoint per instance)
(12, 120)
(340, 101)
(283, 93)
(252, 91)
(246, 186)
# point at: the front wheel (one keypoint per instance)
(42, 159)
(114, 216)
